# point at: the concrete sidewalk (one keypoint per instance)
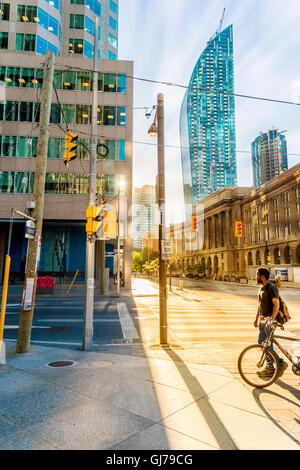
(140, 397)
(129, 397)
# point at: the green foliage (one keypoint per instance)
(139, 259)
(153, 266)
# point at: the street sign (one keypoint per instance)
(30, 229)
(28, 294)
(166, 249)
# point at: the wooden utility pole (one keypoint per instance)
(161, 226)
(26, 315)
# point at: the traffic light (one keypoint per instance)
(238, 229)
(70, 148)
(94, 216)
(110, 228)
(194, 223)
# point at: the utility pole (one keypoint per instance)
(161, 228)
(26, 316)
(90, 241)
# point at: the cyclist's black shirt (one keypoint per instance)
(265, 299)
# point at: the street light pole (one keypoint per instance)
(90, 241)
(157, 128)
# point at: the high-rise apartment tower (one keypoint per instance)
(268, 156)
(143, 217)
(207, 122)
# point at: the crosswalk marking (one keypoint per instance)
(127, 325)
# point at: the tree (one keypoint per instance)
(139, 259)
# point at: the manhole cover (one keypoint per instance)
(60, 364)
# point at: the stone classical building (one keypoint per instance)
(270, 235)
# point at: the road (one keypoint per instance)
(59, 321)
(218, 312)
(204, 312)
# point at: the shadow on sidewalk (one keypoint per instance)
(219, 431)
(258, 394)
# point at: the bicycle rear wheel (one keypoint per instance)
(252, 361)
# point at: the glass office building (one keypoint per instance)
(64, 26)
(67, 27)
(268, 156)
(207, 122)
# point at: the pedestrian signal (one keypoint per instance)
(238, 229)
(94, 216)
(110, 229)
(70, 148)
(194, 223)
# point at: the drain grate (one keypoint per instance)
(60, 364)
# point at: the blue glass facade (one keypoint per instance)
(268, 156)
(207, 122)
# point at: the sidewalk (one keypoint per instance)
(138, 397)
(115, 400)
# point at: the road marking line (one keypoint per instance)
(74, 320)
(127, 325)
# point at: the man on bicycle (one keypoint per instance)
(268, 306)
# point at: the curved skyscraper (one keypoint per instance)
(207, 123)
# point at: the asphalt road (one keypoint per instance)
(58, 321)
(204, 311)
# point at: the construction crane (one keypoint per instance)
(219, 27)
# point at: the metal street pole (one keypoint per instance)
(161, 228)
(26, 316)
(90, 242)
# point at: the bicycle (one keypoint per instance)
(256, 356)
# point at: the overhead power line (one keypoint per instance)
(206, 90)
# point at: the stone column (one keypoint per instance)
(227, 229)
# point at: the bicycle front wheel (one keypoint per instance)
(258, 366)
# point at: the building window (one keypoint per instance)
(69, 80)
(27, 14)
(286, 197)
(277, 256)
(76, 21)
(113, 24)
(88, 50)
(112, 41)
(84, 81)
(16, 182)
(89, 25)
(250, 261)
(25, 42)
(114, 7)
(47, 22)
(4, 11)
(287, 255)
(3, 40)
(82, 114)
(297, 192)
(94, 6)
(76, 46)
(109, 116)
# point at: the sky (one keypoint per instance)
(165, 38)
